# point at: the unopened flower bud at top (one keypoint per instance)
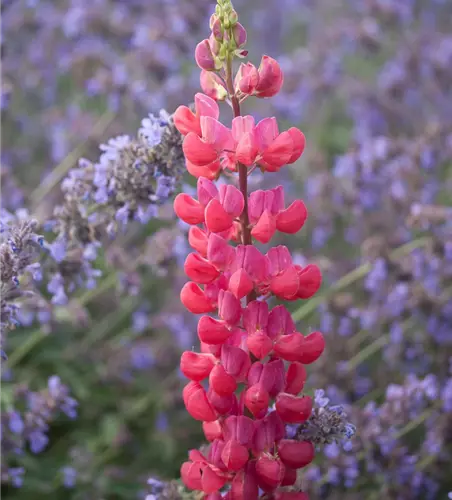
(233, 17)
(204, 56)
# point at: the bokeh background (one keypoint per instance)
(370, 84)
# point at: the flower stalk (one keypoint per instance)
(244, 343)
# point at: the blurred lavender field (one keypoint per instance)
(92, 254)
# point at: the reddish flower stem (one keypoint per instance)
(243, 171)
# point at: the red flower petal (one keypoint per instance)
(200, 270)
(292, 409)
(197, 403)
(196, 366)
(188, 209)
(194, 299)
(296, 454)
(221, 382)
(292, 219)
(198, 151)
(217, 219)
(313, 347)
(212, 331)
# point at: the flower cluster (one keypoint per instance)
(131, 179)
(19, 250)
(385, 438)
(28, 427)
(251, 354)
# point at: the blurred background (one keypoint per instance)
(91, 391)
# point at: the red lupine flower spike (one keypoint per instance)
(244, 343)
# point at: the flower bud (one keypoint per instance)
(204, 56)
(212, 85)
(217, 29)
(270, 78)
(247, 78)
(212, 20)
(233, 17)
(239, 34)
(215, 46)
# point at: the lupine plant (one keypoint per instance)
(251, 355)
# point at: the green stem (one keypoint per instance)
(32, 341)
